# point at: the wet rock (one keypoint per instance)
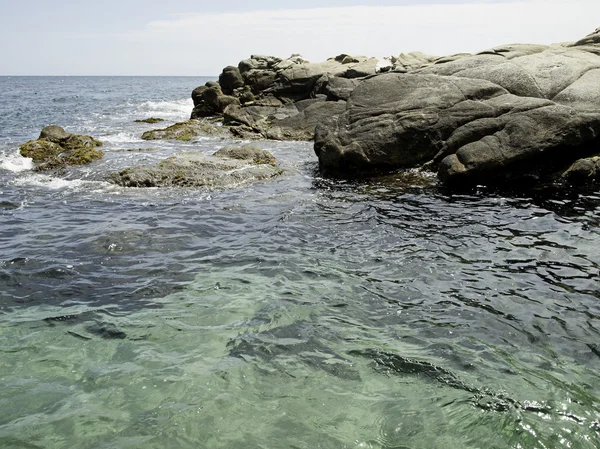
(250, 152)
(56, 149)
(186, 131)
(195, 169)
(583, 171)
(150, 120)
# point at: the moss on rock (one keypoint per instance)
(40, 150)
(52, 152)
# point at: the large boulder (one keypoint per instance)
(230, 79)
(516, 110)
(210, 100)
(56, 149)
(225, 169)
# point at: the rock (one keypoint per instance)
(361, 69)
(411, 61)
(247, 152)
(257, 117)
(516, 111)
(57, 149)
(335, 88)
(583, 171)
(150, 120)
(302, 125)
(230, 79)
(54, 134)
(40, 150)
(187, 131)
(209, 100)
(197, 170)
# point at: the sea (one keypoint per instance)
(299, 313)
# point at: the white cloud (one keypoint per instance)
(207, 42)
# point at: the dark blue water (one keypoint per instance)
(299, 313)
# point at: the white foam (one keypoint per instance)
(14, 162)
(177, 109)
(121, 137)
(49, 182)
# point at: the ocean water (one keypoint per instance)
(299, 313)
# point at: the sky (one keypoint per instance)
(199, 38)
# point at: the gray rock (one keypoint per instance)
(515, 110)
(195, 169)
(249, 152)
(54, 134)
(230, 79)
(335, 88)
(583, 171)
(186, 131)
(302, 125)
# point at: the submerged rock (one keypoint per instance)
(228, 167)
(519, 111)
(57, 149)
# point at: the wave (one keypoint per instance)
(14, 162)
(174, 110)
(52, 183)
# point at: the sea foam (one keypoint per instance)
(174, 110)
(14, 162)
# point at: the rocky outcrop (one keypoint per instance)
(276, 98)
(518, 111)
(228, 167)
(55, 149)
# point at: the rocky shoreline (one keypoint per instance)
(511, 115)
(521, 113)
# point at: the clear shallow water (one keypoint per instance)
(299, 313)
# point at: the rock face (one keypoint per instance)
(228, 167)
(186, 131)
(277, 98)
(57, 149)
(523, 111)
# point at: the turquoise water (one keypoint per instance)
(300, 313)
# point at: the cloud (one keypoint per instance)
(209, 41)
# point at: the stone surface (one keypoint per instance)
(186, 131)
(515, 110)
(150, 120)
(57, 149)
(249, 152)
(195, 169)
(583, 171)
